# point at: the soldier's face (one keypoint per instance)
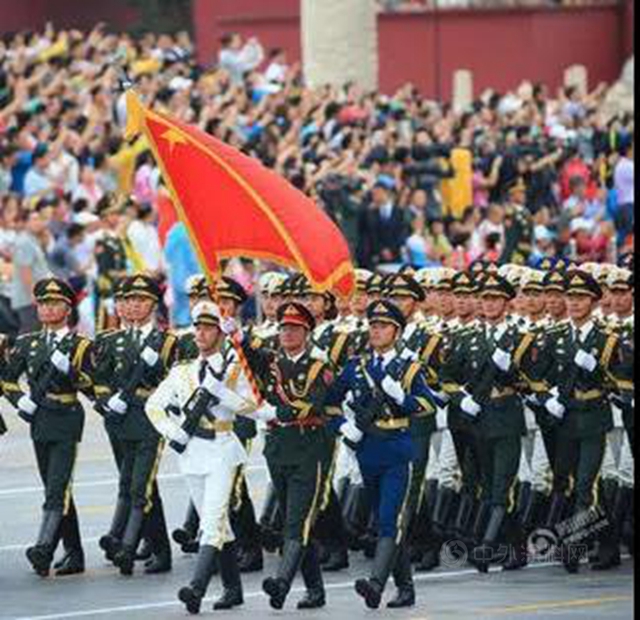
(465, 305)
(360, 304)
(228, 307)
(270, 306)
(556, 304)
(122, 309)
(316, 304)
(622, 302)
(580, 307)
(535, 303)
(494, 308)
(446, 303)
(207, 338)
(53, 313)
(140, 309)
(293, 338)
(344, 306)
(407, 305)
(382, 336)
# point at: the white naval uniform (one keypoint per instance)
(209, 465)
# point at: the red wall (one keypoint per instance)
(276, 22)
(501, 47)
(33, 14)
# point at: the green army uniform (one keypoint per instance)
(582, 359)
(490, 395)
(56, 421)
(298, 451)
(124, 375)
(624, 280)
(111, 262)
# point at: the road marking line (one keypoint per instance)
(588, 602)
(107, 611)
(108, 482)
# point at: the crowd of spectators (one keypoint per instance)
(517, 176)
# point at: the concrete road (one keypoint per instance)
(541, 591)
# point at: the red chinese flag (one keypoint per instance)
(235, 207)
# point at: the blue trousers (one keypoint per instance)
(386, 467)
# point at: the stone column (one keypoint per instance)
(340, 42)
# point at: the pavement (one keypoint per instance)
(453, 593)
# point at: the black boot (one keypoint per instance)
(371, 589)
(517, 530)
(187, 535)
(557, 510)
(73, 562)
(315, 597)
(126, 557)
(232, 595)
(157, 533)
(443, 511)
(464, 518)
(145, 551)
(270, 529)
(608, 556)
(357, 513)
(278, 588)
(111, 542)
(41, 555)
(193, 594)
(403, 579)
(431, 558)
(484, 554)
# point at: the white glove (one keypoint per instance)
(586, 361)
(502, 360)
(27, 406)
(470, 406)
(394, 390)
(229, 326)
(351, 432)
(442, 419)
(61, 361)
(149, 357)
(117, 405)
(266, 413)
(556, 408)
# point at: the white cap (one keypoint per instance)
(206, 312)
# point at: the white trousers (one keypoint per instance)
(211, 495)
(443, 461)
(535, 468)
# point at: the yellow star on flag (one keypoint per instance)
(173, 136)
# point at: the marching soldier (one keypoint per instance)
(489, 361)
(57, 364)
(331, 346)
(298, 448)
(198, 291)
(231, 296)
(111, 261)
(132, 364)
(584, 354)
(194, 410)
(384, 392)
